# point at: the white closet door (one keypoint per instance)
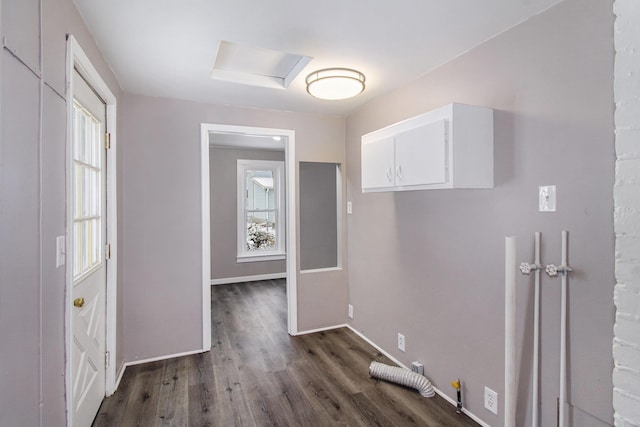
(378, 163)
(421, 155)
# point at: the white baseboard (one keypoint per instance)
(119, 377)
(328, 328)
(158, 358)
(152, 359)
(440, 392)
(377, 347)
(464, 410)
(230, 280)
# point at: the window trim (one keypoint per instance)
(279, 253)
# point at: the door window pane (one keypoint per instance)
(261, 230)
(87, 191)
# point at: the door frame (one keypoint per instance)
(206, 129)
(76, 58)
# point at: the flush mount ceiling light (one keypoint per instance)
(335, 83)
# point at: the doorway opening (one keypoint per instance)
(249, 138)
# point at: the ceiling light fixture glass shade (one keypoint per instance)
(335, 83)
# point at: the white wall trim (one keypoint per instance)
(76, 58)
(261, 258)
(276, 167)
(120, 374)
(153, 359)
(321, 270)
(159, 358)
(397, 362)
(206, 239)
(328, 328)
(241, 279)
(206, 129)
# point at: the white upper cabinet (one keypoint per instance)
(450, 147)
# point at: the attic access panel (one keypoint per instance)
(257, 66)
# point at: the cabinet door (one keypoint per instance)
(421, 155)
(377, 163)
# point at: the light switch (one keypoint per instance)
(61, 251)
(349, 208)
(547, 198)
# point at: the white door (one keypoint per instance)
(378, 161)
(88, 263)
(421, 155)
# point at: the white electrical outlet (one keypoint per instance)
(400, 342)
(490, 400)
(349, 208)
(350, 311)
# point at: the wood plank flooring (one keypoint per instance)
(258, 375)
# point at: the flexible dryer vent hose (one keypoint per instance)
(402, 376)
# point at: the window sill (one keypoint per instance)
(320, 270)
(258, 258)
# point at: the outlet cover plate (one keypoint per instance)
(350, 311)
(401, 342)
(490, 400)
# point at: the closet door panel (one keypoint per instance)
(421, 155)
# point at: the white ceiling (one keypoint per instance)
(167, 48)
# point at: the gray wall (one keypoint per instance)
(318, 216)
(433, 269)
(224, 214)
(162, 221)
(32, 206)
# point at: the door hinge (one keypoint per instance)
(107, 358)
(107, 141)
(108, 251)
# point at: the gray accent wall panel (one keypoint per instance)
(21, 30)
(19, 246)
(430, 264)
(224, 218)
(318, 216)
(53, 278)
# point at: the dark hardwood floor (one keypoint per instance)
(258, 375)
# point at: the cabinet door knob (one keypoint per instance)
(78, 302)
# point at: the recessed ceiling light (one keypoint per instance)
(335, 83)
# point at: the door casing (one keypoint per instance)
(206, 129)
